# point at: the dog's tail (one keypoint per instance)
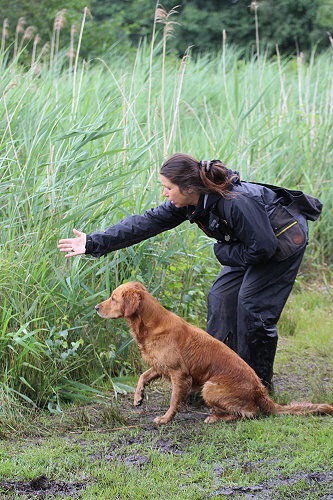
(269, 407)
(304, 408)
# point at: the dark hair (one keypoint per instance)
(201, 176)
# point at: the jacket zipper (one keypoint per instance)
(285, 229)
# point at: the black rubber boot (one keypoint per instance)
(262, 354)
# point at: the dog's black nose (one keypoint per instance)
(97, 307)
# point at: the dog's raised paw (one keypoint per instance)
(138, 401)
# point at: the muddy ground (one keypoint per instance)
(121, 416)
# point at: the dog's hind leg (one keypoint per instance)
(144, 380)
(181, 386)
(227, 403)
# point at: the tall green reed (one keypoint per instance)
(83, 149)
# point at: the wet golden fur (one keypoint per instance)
(191, 359)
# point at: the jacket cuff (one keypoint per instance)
(89, 245)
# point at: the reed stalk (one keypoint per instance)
(71, 53)
(150, 81)
(75, 98)
(284, 107)
(37, 40)
(179, 85)
(254, 7)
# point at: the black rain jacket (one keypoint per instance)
(242, 224)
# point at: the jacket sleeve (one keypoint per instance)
(134, 229)
(249, 221)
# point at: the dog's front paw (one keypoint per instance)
(162, 420)
(138, 399)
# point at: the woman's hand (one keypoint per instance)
(76, 246)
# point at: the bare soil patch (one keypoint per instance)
(42, 487)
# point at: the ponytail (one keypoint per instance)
(206, 176)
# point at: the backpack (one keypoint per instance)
(290, 203)
(297, 201)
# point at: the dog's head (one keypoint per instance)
(124, 302)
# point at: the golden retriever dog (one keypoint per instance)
(192, 359)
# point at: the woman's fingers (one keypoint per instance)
(76, 246)
(65, 242)
(78, 233)
(72, 254)
(72, 251)
(65, 248)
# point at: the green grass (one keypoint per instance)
(84, 150)
(272, 457)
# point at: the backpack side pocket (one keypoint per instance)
(288, 231)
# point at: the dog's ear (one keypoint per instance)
(139, 286)
(132, 299)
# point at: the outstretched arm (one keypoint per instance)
(134, 229)
(125, 233)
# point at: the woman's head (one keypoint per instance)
(199, 177)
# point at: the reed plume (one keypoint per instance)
(19, 29)
(5, 33)
(27, 35)
(59, 23)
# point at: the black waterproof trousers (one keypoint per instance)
(244, 306)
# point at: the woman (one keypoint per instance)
(260, 243)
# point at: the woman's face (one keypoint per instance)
(176, 196)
